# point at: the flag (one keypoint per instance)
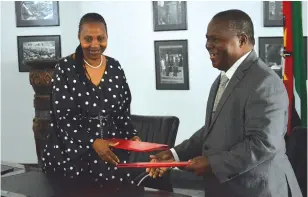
(299, 67)
(295, 68)
(288, 62)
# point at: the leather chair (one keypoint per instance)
(297, 153)
(157, 129)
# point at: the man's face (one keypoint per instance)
(223, 44)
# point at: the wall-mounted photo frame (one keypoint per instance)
(171, 65)
(37, 13)
(270, 51)
(169, 15)
(37, 47)
(272, 14)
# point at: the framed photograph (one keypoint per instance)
(171, 65)
(270, 51)
(37, 47)
(272, 14)
(169, 15)
(37, 13)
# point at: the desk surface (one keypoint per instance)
(37, 184)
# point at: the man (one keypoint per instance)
(240, 150)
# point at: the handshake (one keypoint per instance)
(198, 165)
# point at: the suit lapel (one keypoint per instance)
(224, 97)
(238, 75)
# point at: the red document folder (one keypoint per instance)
(152, 165)
(137, 146)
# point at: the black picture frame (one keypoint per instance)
(169, 22)
(37, 13)
(270, 50)
(272, 14)
(48, 47)
(171, 64)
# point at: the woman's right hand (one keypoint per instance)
(102, 149)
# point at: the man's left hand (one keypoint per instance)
(198, 165)
(136, 138)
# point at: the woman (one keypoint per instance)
(90, 104)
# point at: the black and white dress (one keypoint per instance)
(82, 112)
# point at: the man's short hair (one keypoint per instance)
(238, 21)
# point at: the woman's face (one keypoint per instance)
(93, 40)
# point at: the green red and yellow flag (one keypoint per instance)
(295, 68)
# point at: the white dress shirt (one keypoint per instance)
(229, 74)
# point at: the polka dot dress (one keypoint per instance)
(82, 112)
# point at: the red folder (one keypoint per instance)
(138, 146)
(152, 164)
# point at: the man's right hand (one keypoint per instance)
(162, 156)
(102, 149)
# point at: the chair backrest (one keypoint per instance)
(157, 129)
(297, 154)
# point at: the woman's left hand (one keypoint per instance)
(136, 138)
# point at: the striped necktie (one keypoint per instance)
(222, 85)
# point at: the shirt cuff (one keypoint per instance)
(175, 155)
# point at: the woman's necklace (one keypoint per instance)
(100, 64)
